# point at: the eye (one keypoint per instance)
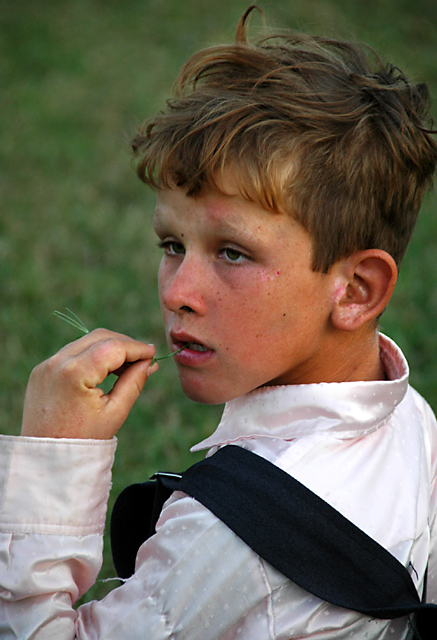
(172, 248)
(233, 255)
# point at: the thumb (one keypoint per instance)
(127, 388)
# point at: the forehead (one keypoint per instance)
(218, 210)
(224, 196)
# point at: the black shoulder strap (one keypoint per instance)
(301, 535)
(134, 516)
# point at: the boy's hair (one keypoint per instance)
(318, 128)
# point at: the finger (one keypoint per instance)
(100, 358)
(75, 347)
(126, 390)
(152, 369)
(126, 365)
(113, 355)
(94, 337)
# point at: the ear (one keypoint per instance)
(364, 283)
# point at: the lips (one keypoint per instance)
(180, 339)
(194, 350)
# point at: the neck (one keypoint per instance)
(360, 357)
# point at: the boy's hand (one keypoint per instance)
(63, 399)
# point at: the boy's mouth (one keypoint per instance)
(195, 346)
(187, 343)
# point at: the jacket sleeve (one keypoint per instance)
(53, 497)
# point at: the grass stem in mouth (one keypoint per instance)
(167, 356)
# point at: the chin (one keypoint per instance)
(206, 395)
(204, 398)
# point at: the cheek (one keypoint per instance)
(165, 278)
(256, 319)
(160, 279)
(264, 275)
(163, 272)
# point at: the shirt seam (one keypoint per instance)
(48, 529)
(78, 442)
(270, 609)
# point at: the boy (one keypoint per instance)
(289, 176)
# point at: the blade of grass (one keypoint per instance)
(71, 319)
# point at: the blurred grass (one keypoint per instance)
(76, 77)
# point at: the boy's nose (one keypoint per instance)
(184, 290)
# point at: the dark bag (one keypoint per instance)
(285, 523)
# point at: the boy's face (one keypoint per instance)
(236, 284)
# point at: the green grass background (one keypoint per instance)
(76, 78)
